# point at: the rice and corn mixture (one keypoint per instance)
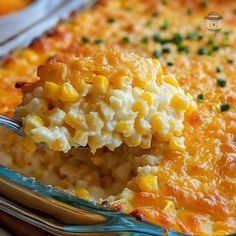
(191, 191)
(105, 100)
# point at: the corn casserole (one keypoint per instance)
(105, 100)
(191, 190)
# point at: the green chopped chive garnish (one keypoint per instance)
(165, 50)
(218, 69)
(227, 32)
(201, 51)
(193, 35)
(215, 47)
(189, 11)
(164, 2)
(183, 48)
(177, 38)
(156, 54)
(164, 25)
(98, 41)
(204, 4)
(148, 23)
(230, 61)
(210, 41)
(169, 63)
(200, 97)
(85, 39)
(156, 13)
(156, 37)
(221, 82)
(110, 20)
(225, 107)
(126, 39)
(144, 40)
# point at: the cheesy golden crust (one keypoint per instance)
(196, 188)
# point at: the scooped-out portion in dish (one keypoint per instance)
(105, 100)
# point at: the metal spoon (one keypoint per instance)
(12, 124)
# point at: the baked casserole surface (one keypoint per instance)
(190, 190)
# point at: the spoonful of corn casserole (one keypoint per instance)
(105, 100)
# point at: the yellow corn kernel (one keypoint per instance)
(120, 82)
(80, 138)
(29, 55)
(147, 96)
(57, 145)
(31, 122)
(171, 80)
(72, 119)
(141, 107)
(94, 143)
(192, 107)
(146, 142)
(178, 133)
(100, 84)
(67, 93)
(133, 141)
(170, 208)
(180, 102)
(148, 183)
(28, 145)
(122, 127)
(51, 90)
(139, 82)
(141, 126)
(82, 193)
(157, 122)
(160, 71)
(177, 144)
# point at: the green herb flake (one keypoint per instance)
(166, 50)
(189, 11)
(224, 107)
(218, 69)
(215, 47)
(111, 20)
(177, 38)
(200, 97)
(183, 48)
(85, 39)
(126, 39)
(144, 40)
(98, 41)
(148, 23)
(201, 51)
(165, 24)
(156, 13)
(221, 82)
(230, 61)
(204, 4)
(193, 35)
(156, 37)
(156, 54)
(164, 2)
(169, 63)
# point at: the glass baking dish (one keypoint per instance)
(62, 213)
